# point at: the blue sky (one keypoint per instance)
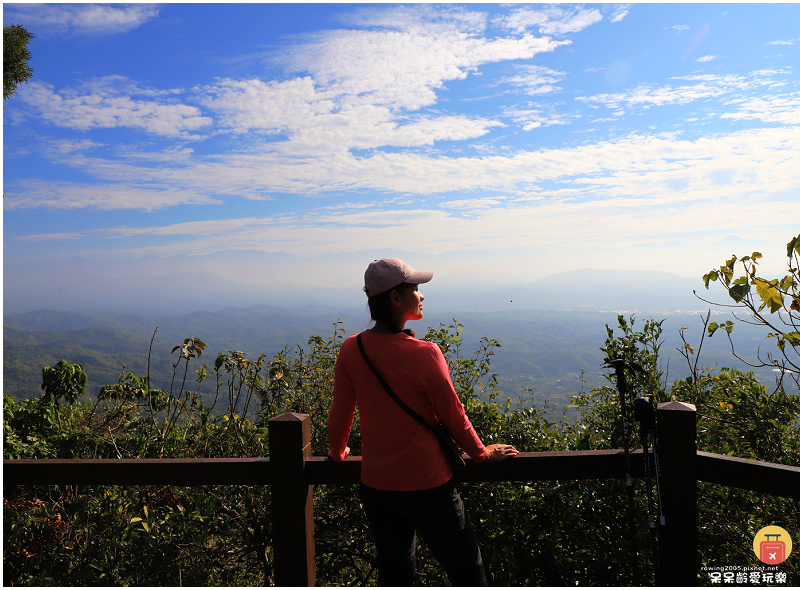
(538, 137)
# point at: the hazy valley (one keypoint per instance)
(103, 314)
(542, 350)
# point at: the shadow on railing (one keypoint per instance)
(291, 472)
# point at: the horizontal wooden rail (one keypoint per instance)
(133, 472)
(748, 474)
(542, 466)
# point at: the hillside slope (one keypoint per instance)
(543, 350)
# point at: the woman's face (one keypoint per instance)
(411, 303)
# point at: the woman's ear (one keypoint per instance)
(394, 298)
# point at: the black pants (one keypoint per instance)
(438, 515)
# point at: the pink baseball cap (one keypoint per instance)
(383, 274)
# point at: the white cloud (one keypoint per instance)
(194, 228)
(114, 85)
(275, 107)
(93, 19)
(358, 84)
(783, 109)
(789, 42)
(420, 18)
(705, 86)
(187, 228)
(534, 79)
(101, 104)
(424, 131)
(647, 96)
(771, 72)
(625, 167)
(536, 115)
(397, 69)
(50, 237)
(554, 20)
(393, 78)
(66, 195)
(310, 118)
(619, 12)
(614, 214)
(67, 146)
(479, 205)
(604, 195)
(706, 58)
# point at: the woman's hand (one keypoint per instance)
(346, 452)
(500, 452)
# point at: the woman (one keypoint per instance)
(407, 484)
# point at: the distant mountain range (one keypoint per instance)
(104, 313)
(543, 350)
(184, 284)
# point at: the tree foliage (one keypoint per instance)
(554, 533)
(757, 296)
(64, 381)
(16, 56)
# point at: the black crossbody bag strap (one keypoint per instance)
(388, 389)
(449, 446)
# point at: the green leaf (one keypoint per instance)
(793, 246)
(727, 273)
(739, 292)
(769, 293)
(710, 276)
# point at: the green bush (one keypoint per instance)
(544, 533)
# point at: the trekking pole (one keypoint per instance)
(622, 387)
(661, 520)
(644, 413)
(651, 426)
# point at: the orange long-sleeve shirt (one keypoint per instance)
(397, 452)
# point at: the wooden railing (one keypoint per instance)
(291, 472)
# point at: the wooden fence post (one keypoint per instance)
(292, 503)
(678, 559)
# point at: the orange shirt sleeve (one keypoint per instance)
(448, 407)
(340, 419)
